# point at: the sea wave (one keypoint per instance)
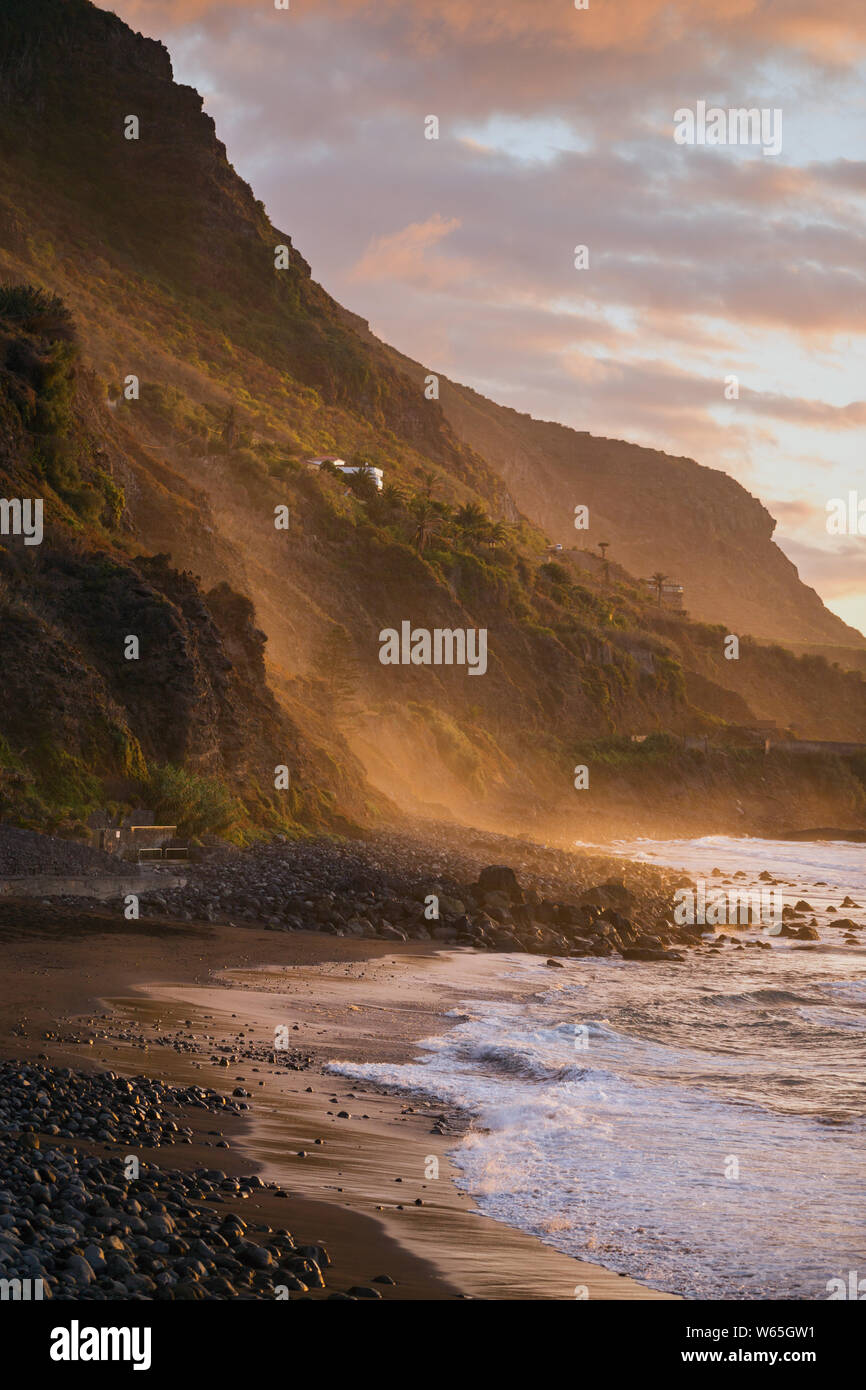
(708, 1139)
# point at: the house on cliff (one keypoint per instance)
(377, 474)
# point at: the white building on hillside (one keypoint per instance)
(377, 474)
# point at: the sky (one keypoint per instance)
(557, 129)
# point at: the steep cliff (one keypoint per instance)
(169, 413)
(122, 679)
(659, 513)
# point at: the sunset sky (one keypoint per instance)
(556, 129)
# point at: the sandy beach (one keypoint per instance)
(162, 999)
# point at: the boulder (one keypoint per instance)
(451, 907)
(255, 1255)
(806, 933)
(498, 878)
(506, 940)
(498, 905)
(801, 933)
(80, 1269)
(613, 894)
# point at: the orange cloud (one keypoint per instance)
(403, 256)
(831, 31)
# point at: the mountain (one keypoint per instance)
(660, 513)
(167, 367)
(187, 724)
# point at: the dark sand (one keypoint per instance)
(351, 1000)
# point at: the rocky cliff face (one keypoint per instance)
(659, 513)
(768, 683)
(87, 718)
(165, 262)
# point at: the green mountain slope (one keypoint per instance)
(202, 378)
(658, 512)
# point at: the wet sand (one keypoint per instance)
(165, 986)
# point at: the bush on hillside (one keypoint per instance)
(195, 804)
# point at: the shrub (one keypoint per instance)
(193, 803)
(37, 311)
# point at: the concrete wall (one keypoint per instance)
(86, 886)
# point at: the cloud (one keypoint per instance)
(796, 512)
(402, 256)
(814, 414)
(838, 573)
(833, 33)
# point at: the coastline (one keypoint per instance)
(340, 999)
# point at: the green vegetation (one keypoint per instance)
(45, 788)
(39, 359)
(196, 805)
(37, 312)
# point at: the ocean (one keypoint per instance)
(700, 1126)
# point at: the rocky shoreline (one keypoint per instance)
(79, 1225)
(76, 1224)
(437, 889)
(431, 885)
(27, 852)
(88, 1208)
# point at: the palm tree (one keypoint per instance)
(497, 534)
(427, 520)
(428, 483)
(659, 580)
(605, 563)
(471, 520)
(393, 496)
